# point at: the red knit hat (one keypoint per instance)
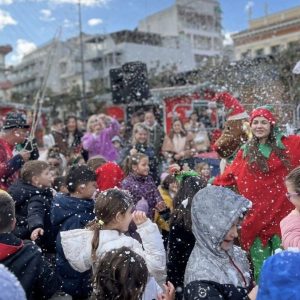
(263, 111)
(109, 175)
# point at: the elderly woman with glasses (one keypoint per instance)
(258, 173)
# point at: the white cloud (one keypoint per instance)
(23, 47)
(6, 19)
(82, 2)
(68, 24)
(46, 15)
(6, 2)
(95, 22)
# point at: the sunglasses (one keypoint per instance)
(290, 195)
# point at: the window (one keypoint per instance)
(246, 54)
(63, 67)
(63, 83)
(118, 57)
(259, 52)
(275, 49)
(293, 44)
(202, 42)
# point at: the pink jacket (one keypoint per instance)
(290, 231)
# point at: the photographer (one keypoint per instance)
(14, 131)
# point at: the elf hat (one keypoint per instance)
(235, 110)
(265, 111)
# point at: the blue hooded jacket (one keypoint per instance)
(69, 213)
(280, 277)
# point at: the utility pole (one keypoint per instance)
(83, 94)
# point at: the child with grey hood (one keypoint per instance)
(217, 269)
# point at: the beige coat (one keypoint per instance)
(171, 146)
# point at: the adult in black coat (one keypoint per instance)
(181, 238)
(73, 138)
(139, 144)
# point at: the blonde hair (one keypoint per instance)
(90, 121)
(200, 166)
(136, 128)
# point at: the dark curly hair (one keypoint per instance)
(120, 274)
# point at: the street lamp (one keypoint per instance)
(83, 93)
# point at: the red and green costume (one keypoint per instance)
(260, 230)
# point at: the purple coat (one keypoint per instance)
(142, 187)
(101, 144)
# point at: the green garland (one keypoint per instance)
(184, 174)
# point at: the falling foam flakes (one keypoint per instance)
(296, 69)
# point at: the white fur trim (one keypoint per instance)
(239, 116)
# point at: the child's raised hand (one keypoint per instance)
(160, 206)
(169, 293)
(139, 217)
(133, 151)
(35, 233)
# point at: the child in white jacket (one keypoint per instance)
(113, 210)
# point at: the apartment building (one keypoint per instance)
(268, 35)
(199, 21)
(101, 53)
(5, 84)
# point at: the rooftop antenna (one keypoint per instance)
(249, 10)
(266, 8)
(83, 87)
(146, 11)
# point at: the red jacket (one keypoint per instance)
(265, 190)
(9, 165)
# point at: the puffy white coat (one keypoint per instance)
(77, 247)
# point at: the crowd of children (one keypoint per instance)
(97, 229)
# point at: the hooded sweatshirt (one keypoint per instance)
(214, 211)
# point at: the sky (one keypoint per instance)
(26, 25)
